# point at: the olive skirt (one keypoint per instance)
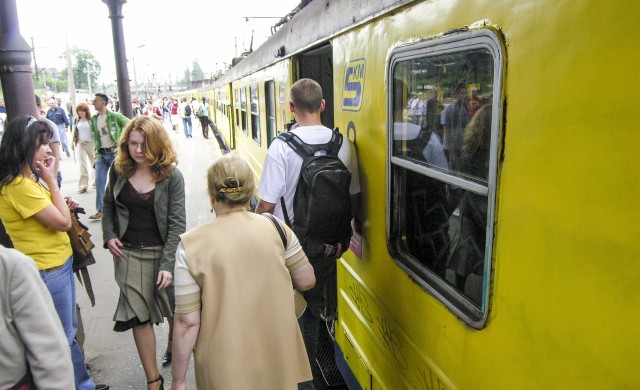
(140, 301)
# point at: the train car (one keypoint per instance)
(498, 246)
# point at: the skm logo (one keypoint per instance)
(353, 85)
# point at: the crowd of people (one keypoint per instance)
(236, 302)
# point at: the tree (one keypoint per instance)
(84, 60)
(196, 73)
(186, 80)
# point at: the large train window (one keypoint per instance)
(255, 113)
(443, 134)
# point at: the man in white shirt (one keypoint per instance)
(279, 179)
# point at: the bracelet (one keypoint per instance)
(56, 190)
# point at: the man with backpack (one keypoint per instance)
(184, 111)
(310, 179)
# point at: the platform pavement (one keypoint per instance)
(112, 357)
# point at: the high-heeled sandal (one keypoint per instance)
(161, 379)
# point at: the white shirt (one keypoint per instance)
(84, 130)
(282, 165)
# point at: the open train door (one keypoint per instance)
(317, 64)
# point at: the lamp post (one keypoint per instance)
(124, 89)
(135, 76)
(88, 79)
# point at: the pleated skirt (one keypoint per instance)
(140, 301)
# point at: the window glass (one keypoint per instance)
(236, 102)
(443, 146)
(255, 115)
(243, 108)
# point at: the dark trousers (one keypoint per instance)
(204, 123)
(325, 270)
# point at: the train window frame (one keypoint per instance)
(255, 114)
(398, 167)
(270, 109)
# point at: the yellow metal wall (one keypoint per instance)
(565, 297)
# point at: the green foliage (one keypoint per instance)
(196, 73)
(186, 80)
(84, 60)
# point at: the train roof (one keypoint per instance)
(312, 25)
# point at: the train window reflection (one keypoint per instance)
(255, 116)
(243, 108)
(442, 144)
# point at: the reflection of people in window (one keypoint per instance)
(454, 118)
(427, 225)
(466, 264)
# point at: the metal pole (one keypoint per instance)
(135, 76)
(89, 80)
(70, 79)
(15, 64)
(35, 63)
(124, 89)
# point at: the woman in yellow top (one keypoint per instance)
(36, 217)
(234, 280)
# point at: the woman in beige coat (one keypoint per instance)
(234, 280)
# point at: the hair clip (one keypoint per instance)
(226, 190)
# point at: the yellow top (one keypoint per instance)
(19, 202)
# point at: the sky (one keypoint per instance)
(162, 37)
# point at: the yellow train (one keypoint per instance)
(499, 160)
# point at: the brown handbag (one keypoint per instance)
(80, 238)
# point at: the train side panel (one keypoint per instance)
(565, 281)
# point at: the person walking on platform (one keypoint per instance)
(236, 304)
(106, 127)
(57, 115)
(203, 117)
(144, 214)
(83, 142)
(184, 110)
(36, 217)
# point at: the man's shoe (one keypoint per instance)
(96, 216)
(68, 154)
(82, 191)
(102, 386)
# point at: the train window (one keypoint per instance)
(243, 108)
(270, 99)
(236, 102)
(444, 105)
(255, 112)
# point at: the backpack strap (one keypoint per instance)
(283, 235)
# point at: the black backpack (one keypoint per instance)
(321, 204)
(187, 111)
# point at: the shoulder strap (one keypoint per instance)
(306, 150)
(283, 235)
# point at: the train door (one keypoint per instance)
(317, 64)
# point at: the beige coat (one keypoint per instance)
(249, 336)
(30, 327)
